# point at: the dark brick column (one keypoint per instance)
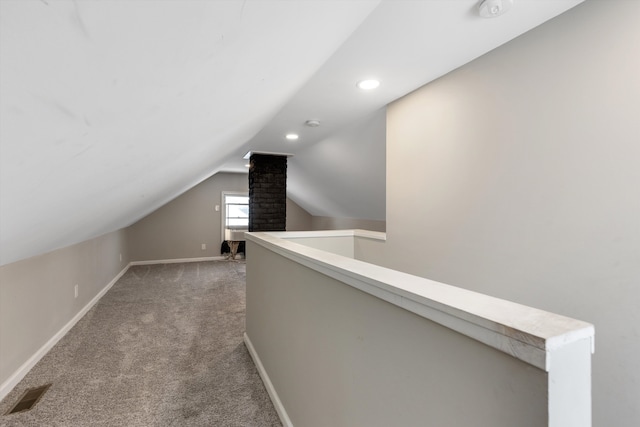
(267, 193)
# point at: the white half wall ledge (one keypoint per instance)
(292, 235)
(526, 333)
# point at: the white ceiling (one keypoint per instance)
(111, 108)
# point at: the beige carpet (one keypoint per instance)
(162, 348)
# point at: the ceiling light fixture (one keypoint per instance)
(494, 8)
(312, 123)
(368, 84)
(292, 136)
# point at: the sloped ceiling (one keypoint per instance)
(109, 109)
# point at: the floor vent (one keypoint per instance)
(29, 399)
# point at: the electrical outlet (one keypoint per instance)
(204, 246)
(75, 291)
(217, 208)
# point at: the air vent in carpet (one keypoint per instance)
(29, 399)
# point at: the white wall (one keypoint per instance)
(518, 175)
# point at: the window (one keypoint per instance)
(236, 213)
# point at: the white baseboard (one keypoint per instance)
(177, 260)
(282, 412)
(23, 370)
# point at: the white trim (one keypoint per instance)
(223, 209)
(367, 234)
(291, 235)
(526, 333)
(23, 370)
(177, 260)
(373, 235)
(273, 394)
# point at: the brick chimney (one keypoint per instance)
(267, 192)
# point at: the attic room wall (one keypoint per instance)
(179, 228)
(297, 218)
(523, 183)
(37, 294)
(329, 223)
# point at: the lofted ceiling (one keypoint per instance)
(111, 108)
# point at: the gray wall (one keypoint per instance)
(329, 223)
(179, 228)
(337, 356)
(297, 218)
(326, 181)
(525, 183)
(37, 294)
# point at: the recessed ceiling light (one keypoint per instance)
(494, 8)
(292, 136)
(368, 84)
(312, 123)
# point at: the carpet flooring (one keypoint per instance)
(162, 348)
